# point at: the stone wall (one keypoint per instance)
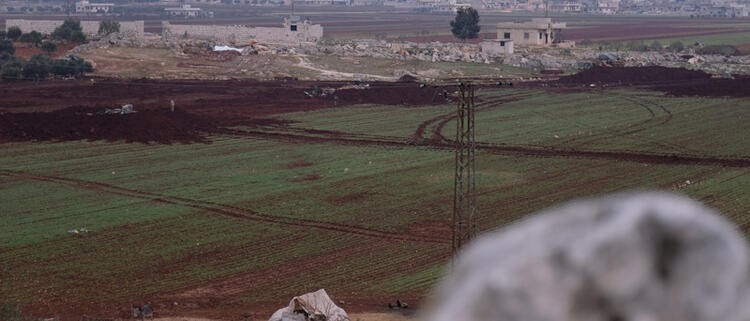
(243, 34)
(90, 28)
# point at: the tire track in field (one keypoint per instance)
(440, 120)
(222, 209)
(634, 128)
(498, 148)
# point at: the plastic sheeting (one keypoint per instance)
(314, 306)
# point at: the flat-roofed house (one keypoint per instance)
(184, 10)
(541, 32)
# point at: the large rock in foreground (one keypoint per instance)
(629, 257)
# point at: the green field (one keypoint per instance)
(245, 223)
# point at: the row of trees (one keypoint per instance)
(40, 66)
(70, 30)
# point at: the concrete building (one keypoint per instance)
(497, 47)
(537, 32)
(184, 10)
(565, 6)
(88, 7)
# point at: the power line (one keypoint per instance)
(464, 191)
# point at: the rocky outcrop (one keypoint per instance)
(642, 256)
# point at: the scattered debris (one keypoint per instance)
(316, 91)
(228, 48)
(125, 109)
(143, 311)
(78, 231)
(398, 305)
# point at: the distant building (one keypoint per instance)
(325, 2)
(537, 32)
(184, 10)
(497, 47)
(88, 7)
(565, 6)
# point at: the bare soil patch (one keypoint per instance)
(68, 110)
(148, 126)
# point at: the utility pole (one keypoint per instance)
(464, 191)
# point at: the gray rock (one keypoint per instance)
(634, 257)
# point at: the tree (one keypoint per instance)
(33, 37)
(13, 33)
(49, 46)
(3, 35)
(108, 26)
(71, 66)
(466, 24)
(37, 68)
(6, 47)
(70, 30)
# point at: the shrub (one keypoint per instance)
(49, 46)
(676, 46)
(655, 46)
(12, 69)
(13, 33)
(718, 50)
(6, 47)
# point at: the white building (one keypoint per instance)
(184, 10)
(537, 32)
(88, 7)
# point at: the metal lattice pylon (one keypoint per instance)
(464, 195)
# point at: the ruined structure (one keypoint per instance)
(90, 28)
(292, 31)
(538, 32)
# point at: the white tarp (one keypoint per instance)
(314, 306)
(227, 48)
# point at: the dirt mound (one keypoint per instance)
(408, 78)
(77, 123)
(673, 81)
(633, 75)
(739, 87)
(396, 94)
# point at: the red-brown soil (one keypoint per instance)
(68, 110)
(151, 125)
(26, 51)
(246, 109)
(629, 75)
(674, 81)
